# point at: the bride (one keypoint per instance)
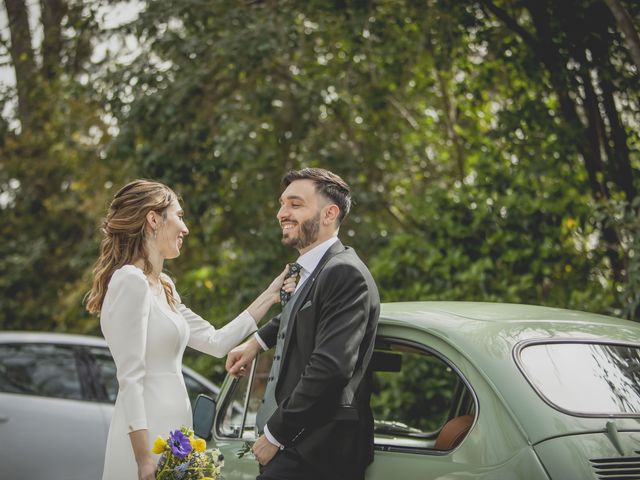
(147, 327)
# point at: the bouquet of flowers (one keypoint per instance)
(184, 457)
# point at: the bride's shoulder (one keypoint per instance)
(128, 275)
(168, 279)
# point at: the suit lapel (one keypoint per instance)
(299, 299)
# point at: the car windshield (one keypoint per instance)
(592, 379)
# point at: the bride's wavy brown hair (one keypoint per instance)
(125, 236)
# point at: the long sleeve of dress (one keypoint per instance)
(206, 338)
(124, 319)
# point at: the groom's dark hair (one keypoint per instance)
(327, 183)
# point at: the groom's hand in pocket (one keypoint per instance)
(264, 450)
(239, 359)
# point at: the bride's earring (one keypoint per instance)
(155, 233)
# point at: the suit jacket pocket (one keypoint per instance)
(346, 412)
(305, 315)
(306, 306)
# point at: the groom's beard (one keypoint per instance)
(309, 230)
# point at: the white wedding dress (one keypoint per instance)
(147, 340)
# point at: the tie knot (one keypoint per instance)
(294, 268)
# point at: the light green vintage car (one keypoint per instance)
(480, 391)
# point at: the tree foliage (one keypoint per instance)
(492, 146)
(53, 170)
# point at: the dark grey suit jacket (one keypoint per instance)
(324, 387)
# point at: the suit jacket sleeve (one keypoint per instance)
(269, 331)
(342, 302)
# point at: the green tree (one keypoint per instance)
(492, 146)
(54, 179)
(479, 138)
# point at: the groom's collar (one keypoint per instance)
(310, 260)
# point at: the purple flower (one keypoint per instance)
(180, 444)
(181, 471)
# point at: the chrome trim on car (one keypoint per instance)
(454, 367)
(517, 350)
(620, 468)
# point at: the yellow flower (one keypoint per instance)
(159, 445)
(199, 445)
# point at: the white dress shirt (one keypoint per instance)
(308, 261)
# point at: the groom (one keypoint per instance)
(315, 416)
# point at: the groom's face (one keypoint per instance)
(299, 214)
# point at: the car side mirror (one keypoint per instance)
(204, 413)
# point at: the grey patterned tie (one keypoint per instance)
(294, 269)
(269, 403)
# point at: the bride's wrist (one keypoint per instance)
(261, 305)
(144, 459)
(270, 296)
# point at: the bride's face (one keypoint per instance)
(171, 231)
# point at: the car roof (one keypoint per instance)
(497, 327)
(84, 340)
(486, 334)
(453, 321)
(50, 337)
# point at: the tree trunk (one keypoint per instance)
(615, 136)
(620, 157)
(53, 11)
(586, 137)
(625, 24)
(550, 57)
(450, 122)
(549, 54)
(595, 131)
(22, 56)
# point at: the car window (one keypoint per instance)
(415, 394)
(107, 377)
(232, 420)
(239, 412)
(584, 378)
(195, 388)
(106, 372)
(42, 370)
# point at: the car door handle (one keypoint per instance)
(3, 418)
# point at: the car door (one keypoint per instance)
(428, 423)
(417, 392)
(49, 426)
(423, 409)
(235, 418)
(437, 416)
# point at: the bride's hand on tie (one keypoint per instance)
(278, 283)
(290, 283)
(272, 294)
